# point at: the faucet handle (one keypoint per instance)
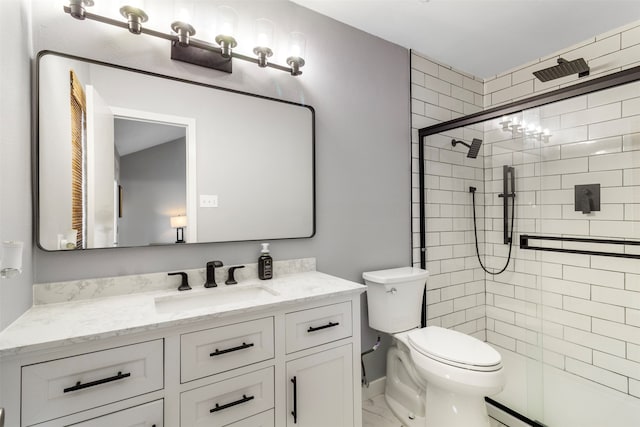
(184, 285)
(231, 280)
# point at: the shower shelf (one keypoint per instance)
(524, 244)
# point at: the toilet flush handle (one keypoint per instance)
(392, 291)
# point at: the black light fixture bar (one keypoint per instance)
(186, 54)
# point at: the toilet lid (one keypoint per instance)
(448, 345)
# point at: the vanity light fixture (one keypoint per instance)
(264, 39)
(179, 223)
(135, 17)
(297, 46)
(11, 259)
(227, 24)
(185, 48)
(181, 25)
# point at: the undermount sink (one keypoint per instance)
(248, 295)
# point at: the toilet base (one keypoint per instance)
(404, 396)
(407, 418)
(454, 409)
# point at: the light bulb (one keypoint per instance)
(138, 4)
(227, 21)
(183, 15)
(264, 33)
(297, 45)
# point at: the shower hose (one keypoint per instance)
(475, 233)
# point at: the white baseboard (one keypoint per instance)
(376, 387)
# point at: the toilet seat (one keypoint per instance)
(455, 349)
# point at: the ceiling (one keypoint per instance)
(132, 136)
(481, 37)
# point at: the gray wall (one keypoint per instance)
(15, 152)
(153, 183)
(359, 87)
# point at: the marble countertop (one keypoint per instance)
(64, 323)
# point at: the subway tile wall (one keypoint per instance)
(576, 312)
(455, 288)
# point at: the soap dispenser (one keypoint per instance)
(265, 263)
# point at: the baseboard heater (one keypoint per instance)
(521, 418)
(524, 244)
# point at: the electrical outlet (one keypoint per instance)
(208, 201)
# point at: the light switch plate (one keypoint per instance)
(208, 201)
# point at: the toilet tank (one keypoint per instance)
(394, 298)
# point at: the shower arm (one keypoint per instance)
(455, 142)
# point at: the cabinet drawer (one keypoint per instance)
(316, 326)
(265, 419)
(228, 401)
(216, 350)
(148, 415)
(65, 386)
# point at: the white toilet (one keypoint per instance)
(436, 377)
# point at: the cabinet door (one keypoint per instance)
(320, 389)
(147, 415)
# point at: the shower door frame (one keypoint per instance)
(594, 85)
(582, 88)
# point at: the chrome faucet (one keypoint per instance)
(211, 274)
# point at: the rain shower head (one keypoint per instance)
(474, 148)
(563, 69)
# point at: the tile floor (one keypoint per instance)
(376, 413)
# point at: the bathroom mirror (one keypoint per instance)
(131, 158)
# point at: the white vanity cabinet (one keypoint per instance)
(320, 383)
(321, 389)
(222, 370)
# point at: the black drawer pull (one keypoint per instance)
(80, 386)
(229, 350)
(244, 399)
(328, 325)
(294, 380)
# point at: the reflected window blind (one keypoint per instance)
(78, 164)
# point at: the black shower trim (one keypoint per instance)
(524, 244)
(513, 413)
(594, 85)
(583, 88)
